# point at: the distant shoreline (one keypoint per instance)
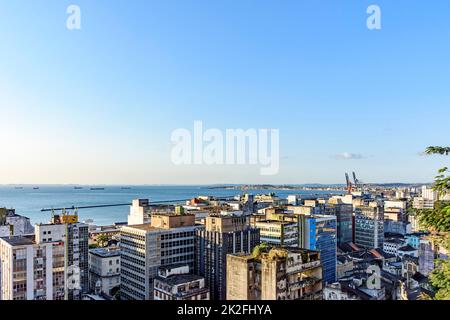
(219, 186)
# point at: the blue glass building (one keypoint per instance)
(318, 232)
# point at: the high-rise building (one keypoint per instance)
(274, 274)
(32, 270)
(344, 220)
(75, 235)
(318, 232)
(222, 235)
(168, 240)
(369, 226)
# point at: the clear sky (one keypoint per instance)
(98, 105)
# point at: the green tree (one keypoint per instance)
(102, 240)
(440, 279)
(437, 221)
(438, 150)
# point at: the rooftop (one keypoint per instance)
(394, 240)
(105, 252)
(275, 222)
(179, 279)
(407, 248)
(19, 240)
(143, 227)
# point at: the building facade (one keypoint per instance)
(369, 226)
(177, 283)
(222, 235)
(31, 270)
(167, 240)
(104, 270)
(344, 220)
(318, 232)
(275, 274)
(278, 233)
(75, 236)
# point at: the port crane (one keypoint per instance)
(355, 185)
(349, 183)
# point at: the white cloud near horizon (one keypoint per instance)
(348, 156)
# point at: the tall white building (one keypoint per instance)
(31, 270)
(74, 235)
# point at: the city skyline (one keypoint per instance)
(98, 105)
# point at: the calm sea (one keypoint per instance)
(29, 201)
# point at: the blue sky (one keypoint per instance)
(98, 105)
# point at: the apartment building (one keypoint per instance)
(65, 228)
(32, 270)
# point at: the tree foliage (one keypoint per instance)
(259, 249)
(440, 280)
(438, 150)
(442, 182)
(102, 240)
(437, 220)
